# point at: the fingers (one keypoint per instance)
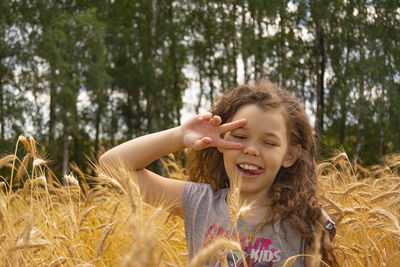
(205, 116)
(231, 125)
(223, 144)
(216, 121)
(208, 116)
(202, 143)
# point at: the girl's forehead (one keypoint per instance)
(263, 120)
(254, 109)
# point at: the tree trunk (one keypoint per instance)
(320, 71)
(114, 120)
(201, 93)
(361, 102)
(97, 134)
(260, 47)
(381, 142)
(282, 47)
(3, 69)
(361, 126)
(234, 49)
(175, 69)
(211, 79)
(343, 104)
(360, 141)
(52, 111)
(343, 118)
(257, 57)
(245, 69)
(65, 150)
(2, 112)
(302, 89)
(244, 52)
(151, 107)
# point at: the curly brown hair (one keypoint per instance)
(295, 191)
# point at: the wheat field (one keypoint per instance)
(102, 220)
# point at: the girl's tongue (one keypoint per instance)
(250, 169)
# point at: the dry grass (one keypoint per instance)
(365, 204)
(45, 223)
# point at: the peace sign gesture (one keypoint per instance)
(205, 131)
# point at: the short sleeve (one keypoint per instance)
(202, 208)
(193, 195)
(196, 201)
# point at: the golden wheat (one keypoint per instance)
(45, 223)
(366, 237)
(211, 251)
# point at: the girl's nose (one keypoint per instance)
(250, 149)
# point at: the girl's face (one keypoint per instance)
(265, 149)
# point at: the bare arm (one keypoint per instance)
(198, 133)
(138, 153)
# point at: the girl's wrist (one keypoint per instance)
(178, 136)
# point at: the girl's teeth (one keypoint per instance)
(248, 167)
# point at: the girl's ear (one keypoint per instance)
(292, 155)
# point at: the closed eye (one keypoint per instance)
(269, 143)
(239, 136)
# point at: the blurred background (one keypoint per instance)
(83, 76)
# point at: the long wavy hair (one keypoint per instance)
(295, 191)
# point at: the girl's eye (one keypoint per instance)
(239, 136)
(269, 143)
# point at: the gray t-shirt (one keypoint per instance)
(206, 216)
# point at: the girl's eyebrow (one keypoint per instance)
(271, 134)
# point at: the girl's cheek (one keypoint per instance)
(237, 140)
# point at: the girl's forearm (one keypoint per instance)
(138, 153)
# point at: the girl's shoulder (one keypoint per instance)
(203, 188)
(195, 193)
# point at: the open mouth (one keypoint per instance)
(249, 169)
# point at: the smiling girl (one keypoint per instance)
(260, 136)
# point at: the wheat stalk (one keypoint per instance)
(103, 238)
(6, 161)
(391, 217)
(33, 244)
(85, 214)
(58, 262)
(385, 195)
(211, 251)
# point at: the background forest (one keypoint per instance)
(81, 76)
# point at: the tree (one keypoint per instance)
(129, 60)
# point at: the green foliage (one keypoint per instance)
(84, 75)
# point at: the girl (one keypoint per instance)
(261, 135)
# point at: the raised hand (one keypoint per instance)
(205, 131)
